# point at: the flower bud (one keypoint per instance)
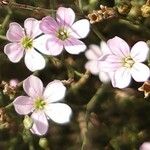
(43, 143)
(145, 9)
(28, 122)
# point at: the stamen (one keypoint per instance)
(39, 103)
(62, 34)
(27, 42)
(128, 62)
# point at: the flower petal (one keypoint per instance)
(54, 46)
(122, 78)
(40, 44)
(58, 112)
(65, 16)
(145, 146)
(109, 66)
(118, 47)
(48, 25)
(14, 51)
(15, 32)
(40, 125)
(33, 86)
(74, 46)
(104, 77)
(140, 72)
(94, 52)
(34, 60)
(31, 26)
(92, 66)
(80, 29)
(23, 105)
(139, 51)
(104, 48)
(54, 91)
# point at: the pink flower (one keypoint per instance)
(25, 41)
(64, 32)
(42, 103)
(95, 55)
(122, 64)
(145, 146)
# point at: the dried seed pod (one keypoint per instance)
(102, 14)
(145, 88)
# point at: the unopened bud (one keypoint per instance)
(28, 122)
(145, 9)
(43, 143)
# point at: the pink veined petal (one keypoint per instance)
(23, 105)
(109, 66)
(65, 16)
(104, 48)
(54, 46)
(34, 60)
(14, 51)
(93, 53)
(48, 25)
(33, 86)
(54, 91)
(104, 77)
(31, 26)
(92, 66)
(80, 29)
(15, 32)
(139, 51)
(74, 46)
(58, 112)
(113, 59)
(140, 72)
(40, 125)
(122, 78)
(145, 146)
(118, 47)
(40, 44)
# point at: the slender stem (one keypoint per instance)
(2, 37)
(9, 106)
(27, 7)
(81, 82)
(90, 107)
(99, 35)
(53, 7)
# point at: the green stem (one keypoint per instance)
(90, 107)
(96, 31)
(2, 37)
(9, 106)
(81, 82)
(53, 7)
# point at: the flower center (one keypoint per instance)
(27, 42)
(128, 62)
(39, 103)
(62, 34)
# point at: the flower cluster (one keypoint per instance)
(43, 103)
(48, 36)
(113, 61)
(119, 62)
